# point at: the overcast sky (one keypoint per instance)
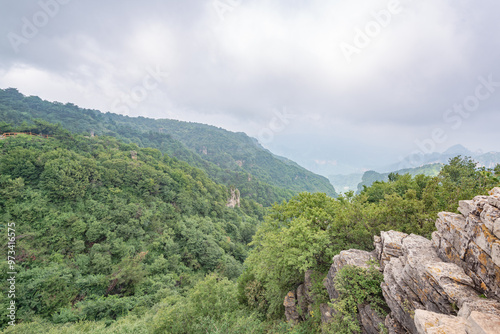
(330, 84)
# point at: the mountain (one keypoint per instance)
(488, 160)
(458, 150)
(370, 177)
(355, 182)
(431, 166)
(229, 158)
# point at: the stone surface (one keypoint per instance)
(304, 296)
(419, 279)
(399, 297)
(298, 303)
(490, 217)
(393, 326)
(479, 202)
(433, 323)
(326, 313)
(472, 242)
(388, 245)
(482, 305)
(302, 301)
(369, 319)
(466, 207)
(291, 313)
(494, 191)
(482, 323)
(494, 201)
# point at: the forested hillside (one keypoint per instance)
(104, 227)
(233, 159)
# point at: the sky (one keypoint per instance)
(337, 86)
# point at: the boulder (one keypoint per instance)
(433, 323)
(326, 313)
(482, 323)
(476, 323)
(420, 280)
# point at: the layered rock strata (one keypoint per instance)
(447, 285)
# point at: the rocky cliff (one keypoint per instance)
(447, 285)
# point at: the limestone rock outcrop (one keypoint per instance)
(471, 241)
(388, 245)
(436, 286)
(447, 285)
(475, 323)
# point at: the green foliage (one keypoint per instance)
(103, 232)
(303, 234)
(113, 237)
(356, 286)
(228, 158)
(460, 179)
(211, 307)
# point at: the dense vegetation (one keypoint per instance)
(105, 227)
(232, 159)
(308, 230)
(114, 238)
(371, 176)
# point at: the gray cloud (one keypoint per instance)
(263, 57)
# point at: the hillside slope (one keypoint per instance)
(101, 226)
(233, 159)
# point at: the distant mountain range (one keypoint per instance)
(432, 164)
(229, 158)
(355, 182)
(370, 177)
(488, 160)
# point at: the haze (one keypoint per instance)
(336, 86)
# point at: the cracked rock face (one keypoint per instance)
(430, 322)
(419, 279)
(439, 286)
(475, 323)
(388, 245)
(450, 285)
(471, 241)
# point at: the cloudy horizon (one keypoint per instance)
(348, 86)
